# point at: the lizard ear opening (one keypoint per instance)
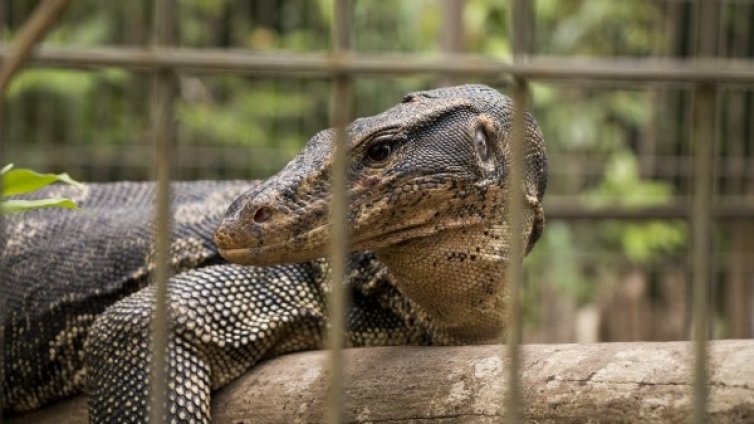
(485, 135)
(482, 144)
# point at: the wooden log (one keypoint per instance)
(563, 383)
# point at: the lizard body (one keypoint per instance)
(428, 182)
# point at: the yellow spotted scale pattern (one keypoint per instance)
(225, 318)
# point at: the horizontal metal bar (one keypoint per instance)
(680, 211)
(236, 160)
(732, 71)
(240, 157)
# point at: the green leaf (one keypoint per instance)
(10, 206)
(20, 181)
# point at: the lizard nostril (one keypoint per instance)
(262, 214)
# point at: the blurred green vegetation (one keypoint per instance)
(595, 134)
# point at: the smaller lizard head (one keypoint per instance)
(437, 162)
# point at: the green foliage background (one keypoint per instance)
(94, 124)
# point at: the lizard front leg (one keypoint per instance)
(224, 319)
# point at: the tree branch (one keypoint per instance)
(564, 383)
(43, 18)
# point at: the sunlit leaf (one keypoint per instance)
(10, 206)
(20, 181)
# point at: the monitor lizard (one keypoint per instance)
(427, 193)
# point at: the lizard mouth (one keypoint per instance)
(302, 247)
(248, 256)
(265, 256)
(314, 243)
(238, 256)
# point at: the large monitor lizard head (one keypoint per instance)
(427, 193)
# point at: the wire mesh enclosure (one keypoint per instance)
(647, 107)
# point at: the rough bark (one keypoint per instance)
(608, 382)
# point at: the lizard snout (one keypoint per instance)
(242, 227)
(231, 235)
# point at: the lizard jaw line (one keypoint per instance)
(251, 256)
(238, 256)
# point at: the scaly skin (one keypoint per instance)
(428, 182)
(433, 210)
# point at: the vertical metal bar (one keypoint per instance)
(338, 208)
(163, 133)
(704, 150)
(522, 28)
(515, 217)
(452, 33)
(522, 22)
(703, 142)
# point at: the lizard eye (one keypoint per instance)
(481, 143)
(380, 151)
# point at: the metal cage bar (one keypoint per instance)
(341, 94)
(705, 72)
(703, 142)
(163, 135)
(515, 269)
(619, 69)
(520, 27)
(451, 37)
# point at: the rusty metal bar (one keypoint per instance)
(521, 24)
(707, 21)
(451, 36)
(681, 211)
(522, 30)
(341, 95)
(515, 272)
(729, 71)
(703, 141)
(163, 133)
(340, 65)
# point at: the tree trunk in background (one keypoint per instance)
(740, 282)
(740, 277)
(626, 310)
